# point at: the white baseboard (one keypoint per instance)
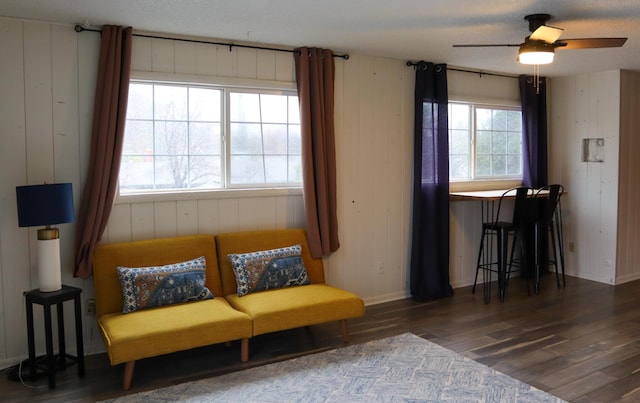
(379, 299)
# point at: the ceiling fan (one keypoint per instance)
(539, 47)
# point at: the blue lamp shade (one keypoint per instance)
(47, 204)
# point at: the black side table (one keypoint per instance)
(59, 361)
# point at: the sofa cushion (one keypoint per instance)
(147, 287)
(293, 307)
(269, 269)
(171, 328)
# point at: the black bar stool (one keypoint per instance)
(549, 224)
(498, 229)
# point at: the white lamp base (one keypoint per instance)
(49, 275)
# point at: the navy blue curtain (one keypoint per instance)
(429, 267)
(533, 100)
(534, 131)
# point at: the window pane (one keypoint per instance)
(275, 139)
(245, 107)
(136, 172)
(483, 142)
(171, 172)
(274, 108)
(171, 138)
(483, 119)
(498, 142)
(295, 168)
(204, 139)
(483, 165)
(514, 143)
(499, 165)
(499, 119)
(138, 138)
(204, 105)
(514, 121)
(205, 172)
(514, 165)
(170, 103)
(294, 109)
(247, 169)
(294, 140)
(276, 169)
(140, 103)
(459, 142)
(459, 167)
(246, 138)
(459, 117)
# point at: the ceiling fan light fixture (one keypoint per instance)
(535, 52)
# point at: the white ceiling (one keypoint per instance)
(404, 29)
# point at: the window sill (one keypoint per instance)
(206, 195)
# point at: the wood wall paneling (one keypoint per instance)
(367, 175)
(588, 106)
(628, 259)
(47, 80)
(187, 217)
(14, 241)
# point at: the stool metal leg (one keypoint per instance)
(560, 238)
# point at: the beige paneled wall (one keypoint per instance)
(374, 120)
(47, 98)
(373, 129)
(47, 80)
(587, 106)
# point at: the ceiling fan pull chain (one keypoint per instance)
(536, 77)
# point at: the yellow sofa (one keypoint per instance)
(225, 318)
(285, 308)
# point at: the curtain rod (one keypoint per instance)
(80, 28)
(480, 73)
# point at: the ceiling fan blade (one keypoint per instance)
(485, 45)
(590, 43)
(546, 33)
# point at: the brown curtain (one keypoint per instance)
(107, 131)
(314, 76)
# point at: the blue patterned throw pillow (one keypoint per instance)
(269, 269)
(146, 287)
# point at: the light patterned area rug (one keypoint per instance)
(395, 369)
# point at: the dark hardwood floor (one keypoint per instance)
(580, 343)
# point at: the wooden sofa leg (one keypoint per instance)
(345, 330)
(244, 350)
(128, 374)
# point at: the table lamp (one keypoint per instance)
(46, 205)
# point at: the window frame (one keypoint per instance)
(223, 83)
(484, 183)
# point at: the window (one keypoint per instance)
(195, 137)
(485, 142)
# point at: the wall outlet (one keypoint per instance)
(379, 268)
(90, 306)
